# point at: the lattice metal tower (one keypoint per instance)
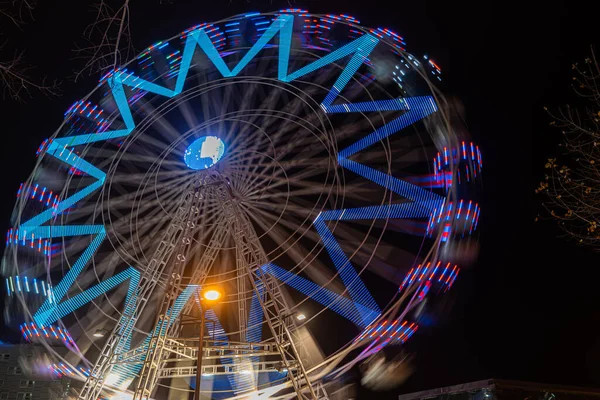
(166, 347)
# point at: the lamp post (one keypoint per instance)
(208, 296)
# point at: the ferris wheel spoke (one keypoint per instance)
(129, 245)
(160, 124)
(306, 261)
(154, 220)
(123, 201)
(300, 209)
(188, 114)
(293, 184)
(131, 178)
(264, 159)
(268, 219)
(254, 179)
(253, 152)
(292, 124)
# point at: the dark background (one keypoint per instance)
(528, 310)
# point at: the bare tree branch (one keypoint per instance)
(573, 189)
(15, 81)
(16, 11)
(108, 39)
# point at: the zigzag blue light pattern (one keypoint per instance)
(412, 192)
(355, 312)
(379, 105)
(356, 287)
(62, 149)
(68, 306)
(418, 108)
(402, 210)
(423, 202)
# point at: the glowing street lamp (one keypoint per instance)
(300, 317)
(210, 295)
(99, 333)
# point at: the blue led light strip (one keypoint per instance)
(418, 108)
(130, 301)
(255, 320)
(408, 190)
(357, 313)
(68, 306)
(356, 287)
(63, 286)
(402, 210)
(423, 201)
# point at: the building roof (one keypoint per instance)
(500, 384)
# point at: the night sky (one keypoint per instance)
(528, 309)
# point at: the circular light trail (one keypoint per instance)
(204, 152)
(322, 120)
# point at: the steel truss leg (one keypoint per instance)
(250, 257)
(204, 265)
(149, 279)
(241, 286)
(271, 299)
(165, 327)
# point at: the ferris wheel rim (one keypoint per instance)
(139, 130)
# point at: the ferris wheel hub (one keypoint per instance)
(204, 152)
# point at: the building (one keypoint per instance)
(16, 383)
(497, 389)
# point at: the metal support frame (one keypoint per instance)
(206, 262)
(199, 357)
(149, 280)
(271, 299)
(281, 352)
(187, 349)
(241, 285)
(153, 360)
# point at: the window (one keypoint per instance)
(4, 356)
(14, 370)
(24, 396)
(4, 395)
(1, 383)
(26, 383)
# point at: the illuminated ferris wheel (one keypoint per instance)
(220, 207)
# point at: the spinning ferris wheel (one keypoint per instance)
(219, 208)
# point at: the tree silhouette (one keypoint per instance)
(15, 81)
(572, 186)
